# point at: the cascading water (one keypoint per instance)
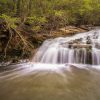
(83, 48)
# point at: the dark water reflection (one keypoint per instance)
(73, 84)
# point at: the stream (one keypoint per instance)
(62, 69)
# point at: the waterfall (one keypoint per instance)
(82, 48)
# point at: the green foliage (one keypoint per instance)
(53, 13)
(36, 23)
(3, 1)
(9, 20)
(36, 20)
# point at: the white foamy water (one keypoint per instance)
(27, 69)
(83, 48)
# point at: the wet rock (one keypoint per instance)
(72, 30)
(87, 27)
(80, 45)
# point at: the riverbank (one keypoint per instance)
(19, 44)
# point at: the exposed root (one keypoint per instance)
(5, 50)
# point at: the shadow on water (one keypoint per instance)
(63, 82)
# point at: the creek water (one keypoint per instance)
(62, 69)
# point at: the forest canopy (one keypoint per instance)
(55, 13)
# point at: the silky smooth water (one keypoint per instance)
(29, 81)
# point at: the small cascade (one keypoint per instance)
(83, 48)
